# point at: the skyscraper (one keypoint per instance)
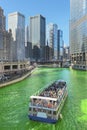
(5, 39)
(60, 45)
(37, 36)
(66, 53)
(28, 46)
(16, 22)
(2, 26)
(53, 40)
(2, 20)
(78, 33)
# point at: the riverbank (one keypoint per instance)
(18, 79)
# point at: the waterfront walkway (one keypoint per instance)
(17, 78)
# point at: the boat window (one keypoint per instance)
(29, 108)
(54, 112)
(49, 112)
(35, 109)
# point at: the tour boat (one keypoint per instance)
(46, 104)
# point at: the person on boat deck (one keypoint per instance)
(49, 105)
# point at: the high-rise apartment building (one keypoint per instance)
(37, 36)
(78, 33)
(60, 45)
(53, 40)
(16, 22)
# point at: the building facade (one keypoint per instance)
(37, 37)
(2, 20)
(28, 45)
(5, 39)
(66, 53)
(78, 33)
(60, 46)
(52, 40)
(16, 22)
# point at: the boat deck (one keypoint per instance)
(54, 90)
(50, 97)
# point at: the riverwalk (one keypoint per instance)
(17, 79)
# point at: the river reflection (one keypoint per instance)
(14, 101)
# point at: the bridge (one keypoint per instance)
(59, 63)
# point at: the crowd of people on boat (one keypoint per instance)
(44, 103)
(54, 91)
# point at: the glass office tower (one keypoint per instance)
(16, 22)
(37, 37)
(78, 33)
(53, 40)
(60, 45)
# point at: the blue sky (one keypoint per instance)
(55, 11)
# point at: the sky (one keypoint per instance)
(55, 11)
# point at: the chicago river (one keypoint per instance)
(14, 101)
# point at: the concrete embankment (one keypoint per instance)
(17, 80)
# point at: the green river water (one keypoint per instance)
(14, 101)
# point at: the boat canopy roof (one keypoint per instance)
(44, 98)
